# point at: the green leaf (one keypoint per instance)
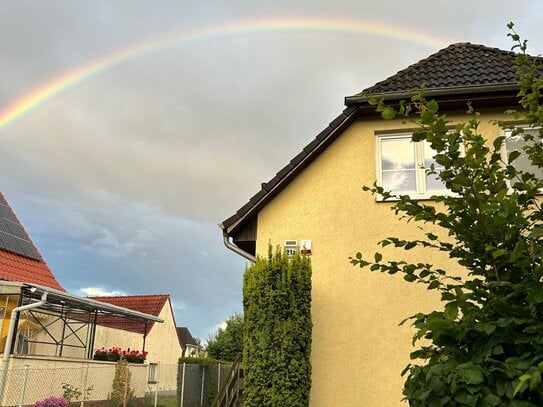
(388, 113)
(521, 386)
(493, 400)
(473, 376)
(451, 310)
(378, 257)
(499, 252)
(513, 155)
(536, 232)
(498, 142)
(409, 277)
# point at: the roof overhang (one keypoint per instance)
(57, 301)
(464, 92)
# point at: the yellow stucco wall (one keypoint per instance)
(358, 348)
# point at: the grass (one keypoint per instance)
(162, 401)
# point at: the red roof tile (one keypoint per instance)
(15, 267)
(148, 304)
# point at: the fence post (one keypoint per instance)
(202, 385)
(85, 378)
(219, 379)
(157, 382)
(23, 392)
(182, 385)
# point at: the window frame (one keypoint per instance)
(152, 373)
(420, 191)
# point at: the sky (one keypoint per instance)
(130, 129)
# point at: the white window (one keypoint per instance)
(402, 164)
(152, 373)
(516, 143)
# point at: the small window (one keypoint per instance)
(517, 143)
(402, 164)
(152, 373)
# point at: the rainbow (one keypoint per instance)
(27, 103)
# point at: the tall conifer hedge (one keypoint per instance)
(277, 336)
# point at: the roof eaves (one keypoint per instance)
(436, 92)
(284, 176)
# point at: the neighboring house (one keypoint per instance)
(316, 201)
(47, 333)
(188, 344)
(161, 341)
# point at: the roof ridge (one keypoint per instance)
(128, 296)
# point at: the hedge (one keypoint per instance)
(277, 336)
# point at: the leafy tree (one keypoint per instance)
(277, 341)
(226, 344)
(485, 348)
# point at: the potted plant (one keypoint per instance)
(100, 354)
(52, 402)
(115, 353)
(135, 356)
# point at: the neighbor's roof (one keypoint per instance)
(147, 304)
(454, 75)
(185, 337)
(20, 260)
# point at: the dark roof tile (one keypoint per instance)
(458, 65)
(285, 170)
(296, 160)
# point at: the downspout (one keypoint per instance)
(9, 339)
(236, 249)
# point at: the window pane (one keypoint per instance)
(397, 154)
(433, 183)
(403, 180)
(398, 164)
(522, 163)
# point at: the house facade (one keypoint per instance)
(316, 203)
(161, 340)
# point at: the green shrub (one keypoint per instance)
(202, 361)
(277, 336)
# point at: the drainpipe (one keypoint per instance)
(9, 339)
(236, 249)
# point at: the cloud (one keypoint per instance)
(100, 292)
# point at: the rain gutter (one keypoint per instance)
(450, 91)
(236, 249)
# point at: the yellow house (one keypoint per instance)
(316, 204)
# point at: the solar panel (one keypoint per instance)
(12, 236)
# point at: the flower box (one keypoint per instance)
(115, 354)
